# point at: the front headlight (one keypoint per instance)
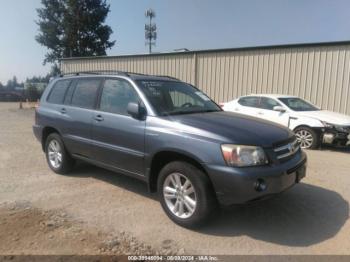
(336, 127)
(241, 155)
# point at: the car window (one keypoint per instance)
(85, 93)
(175, 98)
(116, 95)
(58, 91)
(251, 101)
(180, 98)
(268, 103)
(68, 96)
(298, 104)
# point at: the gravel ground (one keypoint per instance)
(103, 212)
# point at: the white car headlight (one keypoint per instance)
(241, 155)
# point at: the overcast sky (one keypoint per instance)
(194, 24)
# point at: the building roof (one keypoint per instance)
(249, 48)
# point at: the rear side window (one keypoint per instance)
(85, 93)
(251, 101)
(58, 91)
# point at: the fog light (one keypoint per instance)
(260, 185)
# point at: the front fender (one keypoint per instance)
(304, 121)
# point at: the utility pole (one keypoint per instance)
(150, 30)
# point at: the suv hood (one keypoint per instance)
(327, 116)
(235, 128)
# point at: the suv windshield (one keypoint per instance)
(298, 104)
(174, 98)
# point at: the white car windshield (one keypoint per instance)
(297, 104)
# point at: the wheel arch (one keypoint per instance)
(161, 158)
(301, 125)
(45, 133)
(315, 129)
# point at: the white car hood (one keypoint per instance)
(326, 116)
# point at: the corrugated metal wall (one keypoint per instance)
(317, 73)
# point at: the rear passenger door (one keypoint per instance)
(54, 104)
(77, 113)
(118, 138)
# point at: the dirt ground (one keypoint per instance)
(94, 211)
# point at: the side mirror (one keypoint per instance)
(136, 110)
(279, 109)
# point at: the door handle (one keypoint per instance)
(99, 118)
(63, 110)
(260, 113)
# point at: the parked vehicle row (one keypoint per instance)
(312, 125)
(170, 135)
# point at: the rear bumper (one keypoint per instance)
(38, 130)
(239, 185)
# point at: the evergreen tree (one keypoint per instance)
(73, 28)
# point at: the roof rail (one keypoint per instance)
(141, 74)
(171, 77)
(97, 72)
(111, 72)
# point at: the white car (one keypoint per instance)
(312, 125)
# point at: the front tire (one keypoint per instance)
(186, 194)
(307, 137)
(57, 156)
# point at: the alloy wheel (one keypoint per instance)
(55, 154)
(179, 195)
(305, 138)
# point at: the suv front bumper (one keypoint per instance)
(241, 185)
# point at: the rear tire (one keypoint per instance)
(186, 194)
(57, 156)
(307, 137)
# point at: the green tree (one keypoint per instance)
(12, 83)
(32, 93)
(73, 28)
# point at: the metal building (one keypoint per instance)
(318, 72)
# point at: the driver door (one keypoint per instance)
(118, 138)
(266, 111)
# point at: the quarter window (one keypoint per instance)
(58, 91)
(116, 95)
(85, 93)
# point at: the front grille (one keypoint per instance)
(286, 151)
